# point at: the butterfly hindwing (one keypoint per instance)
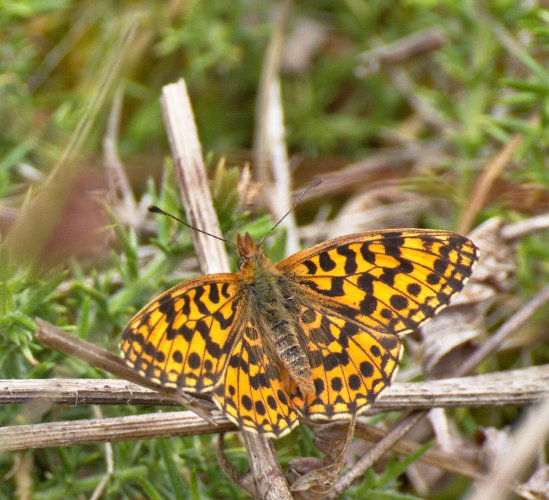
(251, 392)
(184, 337)
(351, 364)
(392, 280)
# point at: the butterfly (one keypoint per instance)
(315, 336)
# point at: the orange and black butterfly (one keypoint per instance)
(316, 336)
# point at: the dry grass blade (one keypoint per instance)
(510, 326)
(487, 179)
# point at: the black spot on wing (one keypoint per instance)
(367, 254)
(366, 283)
(351, 265)
(225, 290)
(433, 279)
(327, 264)
(246, 402)
(186, 308)
(405, 266)
(336, 383)
(388, 276)
(393, 244)
(399, 302)
(199, 292)
(413, 289)
(368, 305)
(194, 360)
(354, 382)
(213, 294)
(311, 266)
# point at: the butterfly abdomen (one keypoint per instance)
(292, 355)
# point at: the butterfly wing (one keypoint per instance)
(391, 281)
(350, 364)
(357, 294)
(251, 391)
(184, 337)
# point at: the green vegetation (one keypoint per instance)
(77, 264)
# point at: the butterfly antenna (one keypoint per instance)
(314, 183)
(156, 210)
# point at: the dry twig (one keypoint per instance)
(402, 50)
(512, 387)
(436, 458)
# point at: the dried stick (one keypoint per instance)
(511, 387)
(120, 191)
(227, 467)
(358, 173)
(109, 462)
(271, 156)
(516, 230)
(516, 387)
(103, 430)
(192, 179)
(402, 50)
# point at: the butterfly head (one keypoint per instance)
(250, 254)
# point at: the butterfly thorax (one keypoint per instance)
(274, 305)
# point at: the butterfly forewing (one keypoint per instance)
(391, 281)
(184, 337)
